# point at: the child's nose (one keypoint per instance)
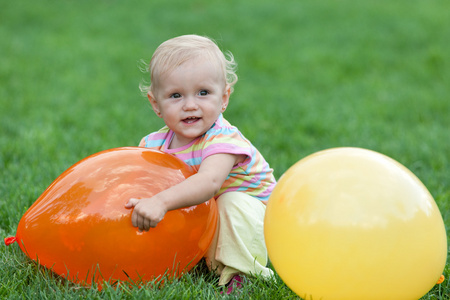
(190, 103)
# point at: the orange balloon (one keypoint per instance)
(80, 229)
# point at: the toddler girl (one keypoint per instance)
(191, 83)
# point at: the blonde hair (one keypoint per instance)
(174, 52)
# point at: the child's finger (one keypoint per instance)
(146, 224)
(131, 203)
(134, 218)
(140, 223)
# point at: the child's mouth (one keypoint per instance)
(191, 120)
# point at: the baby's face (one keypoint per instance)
(190, 99)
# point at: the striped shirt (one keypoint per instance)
(253, 176)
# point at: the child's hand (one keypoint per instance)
(148, 212)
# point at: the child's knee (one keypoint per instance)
(241, 212)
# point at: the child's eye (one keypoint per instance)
(203, 93)
(175, 95)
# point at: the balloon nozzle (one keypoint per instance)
(10, 240)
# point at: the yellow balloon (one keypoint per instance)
(350, 223)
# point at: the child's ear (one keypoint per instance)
(226, 97)
(154, 104)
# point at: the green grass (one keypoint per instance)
(312, 76)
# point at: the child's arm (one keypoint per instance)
(196, 189)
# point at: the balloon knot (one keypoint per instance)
(9, 240)
(441, 279)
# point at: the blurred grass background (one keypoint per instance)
(312, 75)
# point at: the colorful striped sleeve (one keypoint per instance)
(156, 139)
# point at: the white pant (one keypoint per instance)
(238, 245)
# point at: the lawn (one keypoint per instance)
(312, 76)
